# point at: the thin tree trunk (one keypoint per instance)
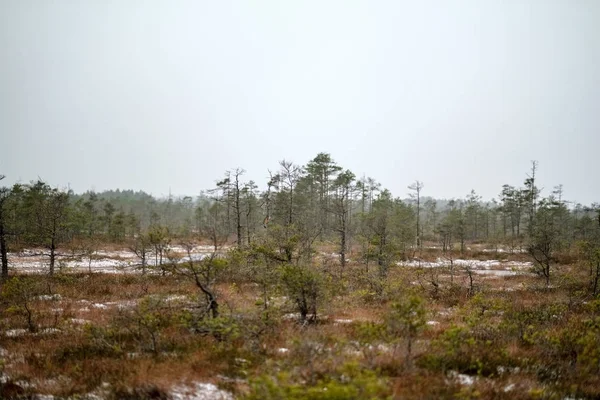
(343, 251)
(409, 352)
(52, 256)
(3, 249)
(596, 279)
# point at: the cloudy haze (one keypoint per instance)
(155, 95)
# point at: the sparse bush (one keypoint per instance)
(20, 294)
(457, 349)
(404, 321)
(349, 382)
(145, 322)
(304, 287)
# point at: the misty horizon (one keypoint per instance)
(544, 191)
(154, 97)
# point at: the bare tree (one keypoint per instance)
(544, 239)
(251, 205)
(204, 274)
(289, 176)
(273, 183)
(531, 194)
(469, 268)
(141, 248)
(341, 210)
(416, 187)
(237, 204)
(4, 193)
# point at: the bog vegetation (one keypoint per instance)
(322, 286)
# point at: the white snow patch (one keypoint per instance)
(283, 350)
(509, 387)
(175, 297)
(384, 348)
(476, 264)
(495, 272)
(343, 321)
(36, 260)
(199, 391)
(15, 332)
(504, 250)
(49, 331)
(100, 306)
(47, 297)
(122, 304)
(432, 323)
(463, 379)
(79, 321)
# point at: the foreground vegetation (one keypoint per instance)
(321, 287)
(302, 332)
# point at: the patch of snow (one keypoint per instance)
(509, 387)
(49, 331)
(25, 384)
(199, 391)
(104, 261)
(283, 350)
(504, 250)
(100, 306)
(79, 321)
(463, 379)
(495, 272)
(47, 297)
(476, 264)
(482, 267)
(15, 332)
(343, 321)
(353, 352)
(122, 304)
(432, 323)
(445, 313)
(384, 348)
(175, 297)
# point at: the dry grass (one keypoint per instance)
(94, 318)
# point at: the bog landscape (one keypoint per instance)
(289, 200)
(323, 285)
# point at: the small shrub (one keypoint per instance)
(349, 382)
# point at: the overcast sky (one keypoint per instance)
(155, 95)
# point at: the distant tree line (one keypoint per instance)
(320, 202)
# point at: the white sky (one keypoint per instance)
(155, 95)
